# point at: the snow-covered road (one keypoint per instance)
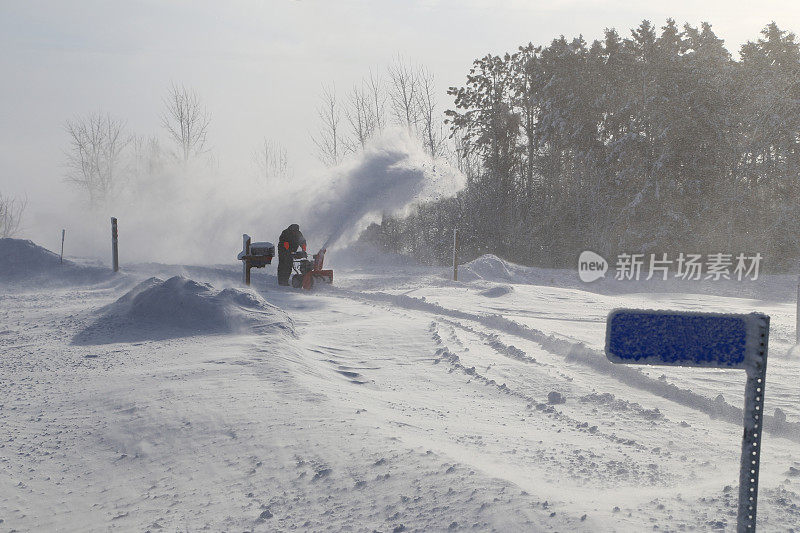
(396, 404)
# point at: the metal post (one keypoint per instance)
(114, 250)
(797, 314)
(751, 440)
(61, 259)
(455, 255)
(245, 262)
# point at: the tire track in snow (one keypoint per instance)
(454, 361)
(635, 466)
(578, 352)
(514, 353)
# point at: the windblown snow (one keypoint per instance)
(391, 174)
(25, 262)
(394, 400)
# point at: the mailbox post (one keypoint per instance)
(254, 255)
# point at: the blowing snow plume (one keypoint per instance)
(190, 213)
(390, 175)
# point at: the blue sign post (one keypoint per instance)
(714, 340)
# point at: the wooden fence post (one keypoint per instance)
(114, 248)
(797, 314)
(455, 255)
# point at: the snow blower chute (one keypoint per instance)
(306, 271)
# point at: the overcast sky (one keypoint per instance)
(259, 65)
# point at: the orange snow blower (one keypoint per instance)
(307, 271)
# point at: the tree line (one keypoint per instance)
(402, 95)
(657, 142)
(103, 156)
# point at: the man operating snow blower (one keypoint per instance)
(290, 240)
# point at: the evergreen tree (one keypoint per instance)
(658, 142)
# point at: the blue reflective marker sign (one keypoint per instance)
(636, 336)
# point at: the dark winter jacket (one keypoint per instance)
(291, 239)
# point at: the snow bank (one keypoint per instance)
(179, 307)
(489, 267)
(492, 268)
(24, 261)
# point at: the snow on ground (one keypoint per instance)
(26, 264)
(394, 400)
(181, 307)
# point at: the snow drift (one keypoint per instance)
(25, 261)
(179, 307)
(492, 268)
(489, 268)
(498, 291)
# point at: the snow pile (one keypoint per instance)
(491, 268)
(22, 260)
(392, 173)
(497, 291)
(179, 307)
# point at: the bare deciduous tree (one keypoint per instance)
(148, 157)
(359, 116)
(377, 101)
(186, 119)
(365, 111)
(11, 211)
(329, 141)
(430, 121)
(94, 156)
(271, 161)
(403, 93)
